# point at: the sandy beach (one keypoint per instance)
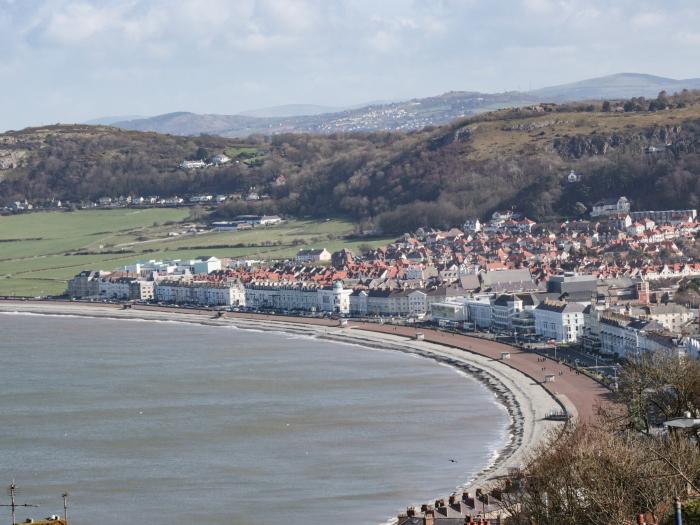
(517, 381)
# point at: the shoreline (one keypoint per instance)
(526, 400)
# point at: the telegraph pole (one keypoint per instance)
(13, 502)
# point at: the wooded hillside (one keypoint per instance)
(437, 176)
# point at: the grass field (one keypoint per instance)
(39, 252)
(235, 151)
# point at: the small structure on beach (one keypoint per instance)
(505, 355)
(482, 507)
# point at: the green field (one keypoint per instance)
(235, 151)
(39, 252)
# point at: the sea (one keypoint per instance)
(178, 423)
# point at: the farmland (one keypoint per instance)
(39, 252)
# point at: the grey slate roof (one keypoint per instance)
(506, 276)
(469, 282)
(561, 307)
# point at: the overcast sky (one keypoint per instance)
(73, 60)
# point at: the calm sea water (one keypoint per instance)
(170, 423)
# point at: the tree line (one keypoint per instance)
(395, 181)
(624, 463)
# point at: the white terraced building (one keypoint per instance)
(281, 296)
(210, 293)
(559, 320)
(167, 268)
(629, 336)
(414, 302)
(297, 296)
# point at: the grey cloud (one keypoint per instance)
(70, 60)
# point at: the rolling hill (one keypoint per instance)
(401, 116)
(622, 85)
(289, 110)
(436, 176)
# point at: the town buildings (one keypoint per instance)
(564, 282)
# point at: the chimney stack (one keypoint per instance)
(643, 295)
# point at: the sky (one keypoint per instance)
(74, 60)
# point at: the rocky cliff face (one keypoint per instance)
(660, 138)
(10, 159)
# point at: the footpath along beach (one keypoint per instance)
(517, 381)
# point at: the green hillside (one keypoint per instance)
(434, 177)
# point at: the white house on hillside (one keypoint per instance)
(606, 207)
(220, 159)
(192, 164)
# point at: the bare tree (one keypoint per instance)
(598, 474)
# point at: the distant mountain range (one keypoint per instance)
(108, 121)
(623, 85)
(397, 116)
(290, 110)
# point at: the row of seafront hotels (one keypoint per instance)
(501, 278)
